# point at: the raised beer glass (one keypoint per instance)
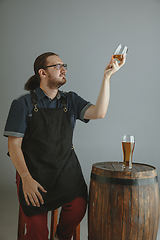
(121, 49)
(128, 144)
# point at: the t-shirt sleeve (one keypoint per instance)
(81, 116)
(16, 123)
(80, 106)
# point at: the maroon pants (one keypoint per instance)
(70, 216)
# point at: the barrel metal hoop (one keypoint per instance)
(123, 181)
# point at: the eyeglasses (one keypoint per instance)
(58, 66)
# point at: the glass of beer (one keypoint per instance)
(128, 144)
(121, 49)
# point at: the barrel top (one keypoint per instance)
(114, 169)
(117, 166)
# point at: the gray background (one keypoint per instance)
(85, 33)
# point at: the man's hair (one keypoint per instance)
(40, 62)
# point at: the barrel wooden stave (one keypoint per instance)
(123, 212)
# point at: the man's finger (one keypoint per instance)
(123, 60)
(26, 199)
(31, 200)
(36, 200)
(41, 188)
(40, 197)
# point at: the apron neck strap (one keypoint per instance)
(34, 100)
(64, 103)
(33, 97)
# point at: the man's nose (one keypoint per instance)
(63, 69)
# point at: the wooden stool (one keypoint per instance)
(54, 217)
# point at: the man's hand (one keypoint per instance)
(29, 185)
(113, 66)
(31, 192)
(100, 108)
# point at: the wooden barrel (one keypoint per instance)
(123, 205)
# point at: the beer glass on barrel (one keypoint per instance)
(121, 49)
(128, 144)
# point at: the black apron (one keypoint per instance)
(51, 160)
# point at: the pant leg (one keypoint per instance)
(36, 225)
(70, 216)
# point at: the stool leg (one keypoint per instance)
(77, 233)
(21, 225)
(54, 217)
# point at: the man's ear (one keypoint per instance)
(42, 73)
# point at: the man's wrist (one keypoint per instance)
(25, 174)
(106, 79)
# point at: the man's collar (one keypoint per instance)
(40, 94)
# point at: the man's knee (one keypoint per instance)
(37, 222)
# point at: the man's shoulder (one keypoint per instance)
(23, 96)
(23, 100)
(69, 94)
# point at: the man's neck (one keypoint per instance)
(51, 93)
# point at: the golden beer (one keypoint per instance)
(128, 148)
(118, 57)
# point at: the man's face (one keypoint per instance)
(55, 77)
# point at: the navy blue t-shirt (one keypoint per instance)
(20, 113)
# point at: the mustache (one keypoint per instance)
(62, 74)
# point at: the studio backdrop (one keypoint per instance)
(84, 34)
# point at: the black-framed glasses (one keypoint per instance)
(58, 66)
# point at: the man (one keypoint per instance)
(39, 130)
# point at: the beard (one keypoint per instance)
(55, 82)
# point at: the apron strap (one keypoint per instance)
(64, 103)
(34, 100)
